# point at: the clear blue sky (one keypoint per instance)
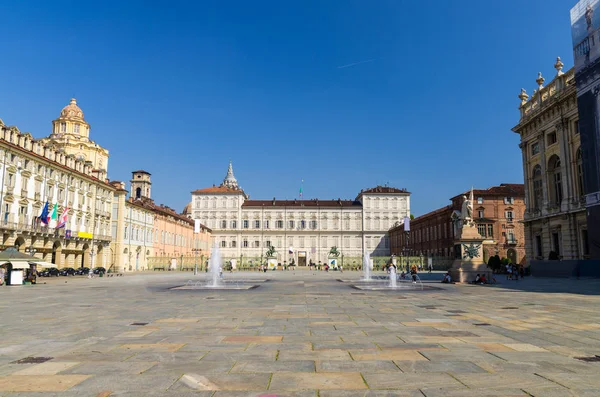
(342, 94)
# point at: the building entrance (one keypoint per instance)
(302, 258)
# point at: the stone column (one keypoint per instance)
(543, 161)
(526, 174)
(565, 160)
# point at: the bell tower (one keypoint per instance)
(141, 185)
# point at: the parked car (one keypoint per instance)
(82, 271)
(49, 272)
(99, 270)
(67, 271)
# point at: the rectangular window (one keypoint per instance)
(535, 148)
(480, 212)
(76, 128)
(509, 200)
(257, 224)
(302, 224)
(245, 223)
(279, 224)
(223, 224)
(245, 243)
(576, 127)
(551, 138)
(233, 244)
(256, 244)
(268, 243)
(479, 200)
(509, 216)
(490, 231)
(538, 246)
(313, 224)
(510, 237)
(266, 224)
(234, 224)
(63, 127)
(223, 244)
(290, 224)
(481, 229)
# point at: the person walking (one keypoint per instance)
(413, 272)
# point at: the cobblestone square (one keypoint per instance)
(300, 333)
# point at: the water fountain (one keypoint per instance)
(215, 279)
(393, 277)
(366, 267)
(214, 264)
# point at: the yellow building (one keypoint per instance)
(71, 133)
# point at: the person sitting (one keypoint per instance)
(447, 279)
(483, 279)
(477, 279)
(403, 275)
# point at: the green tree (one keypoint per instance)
(412, 217)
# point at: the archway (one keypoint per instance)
(57, 254)
(20, 244)
(511, 253)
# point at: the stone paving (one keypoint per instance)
(299, 334)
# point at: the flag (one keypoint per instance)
(44, 215)
(53, 216)
(301, 188)
(63, 219)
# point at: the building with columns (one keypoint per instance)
(299, 230)
(555, 217)
(35, 172)
(71, 134)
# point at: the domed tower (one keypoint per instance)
(230, 180)
(71, 132)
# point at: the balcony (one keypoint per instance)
(511, 241)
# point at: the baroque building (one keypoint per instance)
(147, 235)
(497, 212)
(71, 133)
(300, 230)
(555, 218)
(35, 172)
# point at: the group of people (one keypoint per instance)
(513, 272)
(482, 279)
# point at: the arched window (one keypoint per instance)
(579, 170)
(537, 187)
(555, 179)
(138, 192)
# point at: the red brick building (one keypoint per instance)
(497, 211)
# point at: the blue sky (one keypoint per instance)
(343, 94)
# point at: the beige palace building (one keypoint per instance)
(147, 235)
(38, 170)
(555, 218)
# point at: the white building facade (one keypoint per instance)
(299, 230)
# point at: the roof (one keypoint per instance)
(141, 172)
(302, 203)
(504, 189)
(383, 190)
(55, 163)
(217, 190)
(162, 209)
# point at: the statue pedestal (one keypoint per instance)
(469, 257)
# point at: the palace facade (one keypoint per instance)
(35, 171)
(299, 230)
(555, 218)
(497, 212)
(147, 235)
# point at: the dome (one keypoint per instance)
(187, 210)
(72, 111)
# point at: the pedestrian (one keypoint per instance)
(413, 272)
(341, 269)
(220, 272)
(509, 271)
(430, 266)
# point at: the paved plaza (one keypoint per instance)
(298, 334)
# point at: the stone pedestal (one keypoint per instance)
(468, 250)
